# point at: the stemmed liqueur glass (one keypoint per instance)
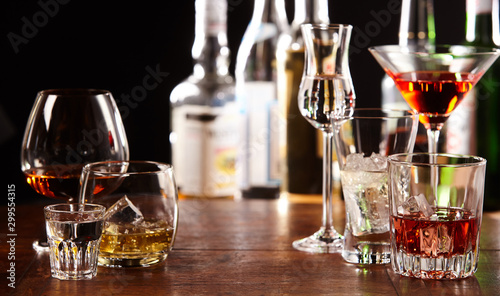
(434, 81)
(326, 95)
(68, 128)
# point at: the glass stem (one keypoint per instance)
(432, 139)
(327, 181)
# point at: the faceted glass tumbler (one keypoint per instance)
(436, 207)
(74, 234)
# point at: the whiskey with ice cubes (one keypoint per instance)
(142, 210)
(133, 241)
(450, 234)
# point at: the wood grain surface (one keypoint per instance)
(241, 247)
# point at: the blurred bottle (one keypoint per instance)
(417, 31)
(301, 144)
(482, 29)
(256, 94)
(204, 133)
(460, 128)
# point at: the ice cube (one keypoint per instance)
(416, 204)
(368, 165)
(424, 206)
(123, 211)
(357, 162)
(111, 228)
(375, 162)
(378, 211)
(408, 207)
(379, 161)
(437, 239)
(354, 162)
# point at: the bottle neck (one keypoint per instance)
(210, 50)
(307, 11)
(482, 25)
(270, 11)
(311, 11)
(417, 28)
(257, 52)
(261, 12)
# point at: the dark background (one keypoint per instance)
(109, 45)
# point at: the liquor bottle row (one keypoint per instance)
(243, 136)
(246, 136)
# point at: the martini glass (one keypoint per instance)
(434, 82)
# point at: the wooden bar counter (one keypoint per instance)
(241, 247)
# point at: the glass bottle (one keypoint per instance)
(204, 133)
(301, 144)
(460, 130)
(482, 29)
(255, 71)
(416, 29)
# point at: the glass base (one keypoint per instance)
(322, 241)
(369, 257)
(41, 246)
(132, 261)
(453, 267)
(74, 275)
(367, 248)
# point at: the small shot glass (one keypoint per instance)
(74, 235)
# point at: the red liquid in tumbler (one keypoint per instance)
(434, 93)
(454, 233)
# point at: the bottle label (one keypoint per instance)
(479, 6)
(204, 149)
(260, 151)
(216, 11)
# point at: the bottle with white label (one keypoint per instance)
(256, 94)
(482, 113)
(460, 129)
(204, 117)
(301, 144)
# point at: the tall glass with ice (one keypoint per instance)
(142, 211)
(363, 143)
(436, 206)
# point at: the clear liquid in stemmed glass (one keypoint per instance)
(325, 97)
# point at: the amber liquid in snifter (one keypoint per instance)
(55, 181)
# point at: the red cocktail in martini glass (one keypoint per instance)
(434, 82)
